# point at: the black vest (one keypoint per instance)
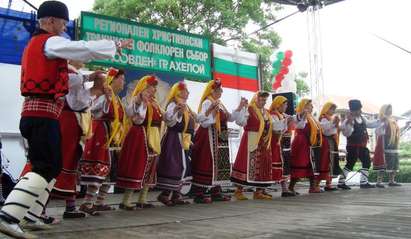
(360, 135)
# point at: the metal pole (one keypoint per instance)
(315, 55)
(31, 5)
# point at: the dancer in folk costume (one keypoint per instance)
(281, 123)
(306, 147)
(75, 122)
(330, 161)
(386, 157)
(44, 80)
(141, 147)
(108, 120)
(354, 128)
(210, 157)
(253, 164)
(174, 166)
(285, 142)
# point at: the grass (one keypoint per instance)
(404, 176)
(405, 150)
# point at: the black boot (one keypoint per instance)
(367, 185)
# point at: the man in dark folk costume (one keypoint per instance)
(354, 128)
(44, 80)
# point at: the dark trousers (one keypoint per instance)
(334, 156)
(43, 137)
(315, 158)
(336, 170)
(354, 153)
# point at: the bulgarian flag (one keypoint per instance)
(236, 69)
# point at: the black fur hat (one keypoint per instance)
(53, 9)
(354, 105)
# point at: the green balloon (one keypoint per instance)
(277, 65)
(280, 55)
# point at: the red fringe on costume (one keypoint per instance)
(137, 163)
(378, 160)
(325, 161)
(277, 158)
(300, 154)
(205, 166)
(253, 168)
(71, 132)
(96, 163)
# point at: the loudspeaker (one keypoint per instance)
(292, 101)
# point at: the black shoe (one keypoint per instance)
(288, 194)
(74, 214)
(220, 198)
(379, 185)
(330, 189)
(202, 200)
(49, 220)
(367, 185)
(144, 205)
(344, 186)
(294, 192)
(89, 210)
(394, 184)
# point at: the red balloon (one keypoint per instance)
(286, 62)
(279, 77)
(288, 54)
(276, 85)
(284, 71)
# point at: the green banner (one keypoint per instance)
(154, 48)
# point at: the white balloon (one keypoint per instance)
(288, 84)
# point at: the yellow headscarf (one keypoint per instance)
(315, 129)
(153, 134)
(117, 133)
(260, 117)
(277, 103)
(394, 129)
(212, 85)
(175, 91)
(174, 96)
(326, 107)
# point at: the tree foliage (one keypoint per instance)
(302, 87)
(405, 150)
(223, 21)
